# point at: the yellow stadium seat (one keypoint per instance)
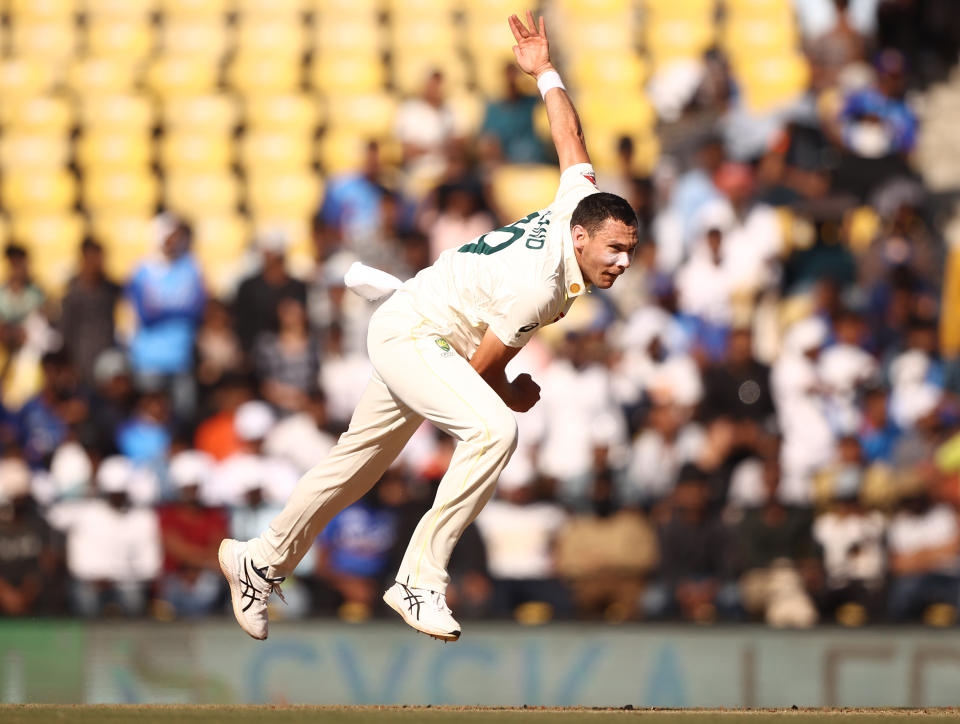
(52, 41)
(30, 150)
(341, 151)
(41, 114)
(348, 8)
(127, 240)
(264, 75)
(191, 150)
(347, 73)
(773, 81)
(193, 195)
(488, 71)
(370, 114)
(120, 112)
(433, 9)
(438, 36)
(759, 8)
(616, 110)
(53, 242)
(292, 193)
(287, 112)
(119, 8)
(41, 9)
(24, 77)
(182, 75)
(272, 8)
(350, 34)
(618, 70)
(201, 37)
(678, 38)
(604, 8)
(113, 148)
(262, 150)
(130, 38)
(196, 8)
(102, 76)
(600, 35)
(4, 232)
(213, 113)
(519, 188)
(220, 244)
(602, 146)
(410, 71)
(657, 9)
(272, 34)
(468, 112)
(120, 192)
(749, 38)
(39, 191)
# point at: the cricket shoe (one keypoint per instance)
(424, 610)
(249, 587)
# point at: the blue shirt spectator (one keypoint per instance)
(359, 539)
(168, 297)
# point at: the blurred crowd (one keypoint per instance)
(758, 423)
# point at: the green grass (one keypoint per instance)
(41, 714)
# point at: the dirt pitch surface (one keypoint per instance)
(39, 713)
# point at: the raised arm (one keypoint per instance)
(533, 56)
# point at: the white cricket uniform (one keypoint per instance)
(512, 281)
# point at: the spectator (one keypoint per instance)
(113, 548)
(86, 319)
(288, 361)
(461, 216)
(216, 435)
(145, 437)
(352, 202)
(343, 377)
(835, 49)
(111, 403)
(694, 188)
(508, 132)
(779, 559)
(46, 420)
(604, 556)
(191, 534)
(738, 387)
(695, 579)
(259, 296)
(19, 295)
(302, 438)
(424, 126)
(218, 347)
(924, 541)
(519, 529)
(168, 298)
(31, 553)
(878, 432)
(845, 367)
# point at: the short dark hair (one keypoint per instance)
(596, 208)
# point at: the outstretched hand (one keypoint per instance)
(532, 49)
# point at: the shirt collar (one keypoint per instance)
(573, 282)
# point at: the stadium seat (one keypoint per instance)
(25, 77)
(759, 8)
(750, 38)
(348, 8)
(275, 151)
(336, 72)
(127, 240)
(341, 151)
(201, 37)
(773, 81)
(53, 241)
(272, 8)
(425, 9)
(113, 149)
(599, 35)
(435, 35)
(119, 8)
(21, 150)
(370, 114)
(289, 194)
(602, 145)
(656, 9)
(130, 38)
(196, 150)
(300, 254)
(133, 193)
(468, 112)
(608, 70)
(101, 76)
(196, 8)
(220, 244)
(121, 112)
(182, 75)
(488, 71)
(351, 34)
(4, 231)
(298, 113)
(38, 191)
(272, 35)
(193, 195)
(213, 113)
(252, 74)
(616, 110)
(678, 38)
(52, 115)
(410, 71)
(51, 41)
(518, 189)
(41, 9)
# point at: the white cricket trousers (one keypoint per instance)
(416, 376)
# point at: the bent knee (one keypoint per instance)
(502, 432)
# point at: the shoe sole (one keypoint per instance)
(418, 627)
(234, 590)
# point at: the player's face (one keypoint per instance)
(605, 254)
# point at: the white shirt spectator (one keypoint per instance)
(911, 533)
(656, 461)
(343, 379)
(705, 287)
(298, 440)
(238, 473)
(841, 369)
(852, 547)
(107, 543)
(750, 245)
(519, 538)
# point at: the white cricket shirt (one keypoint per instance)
(511, 280)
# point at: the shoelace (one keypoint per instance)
(440, 601)
(274, 588)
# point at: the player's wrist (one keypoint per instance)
(545, 68)
(548, 80)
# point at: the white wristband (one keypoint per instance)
(548, 80)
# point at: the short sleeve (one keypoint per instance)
(518, 317)
(576, 182)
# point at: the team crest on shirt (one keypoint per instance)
(591, 177)
(444, 345)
